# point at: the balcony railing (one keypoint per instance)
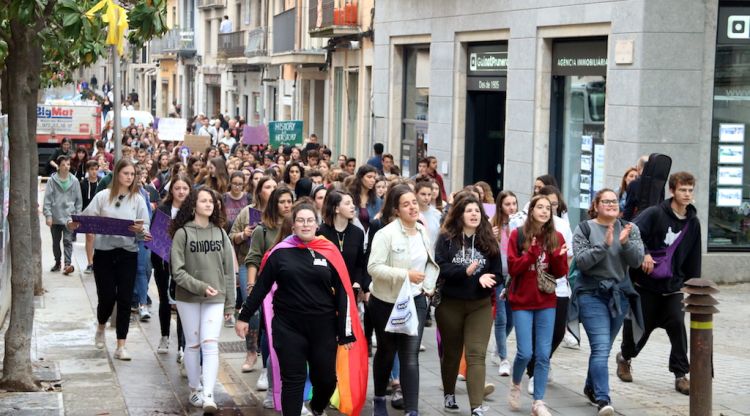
(256, 43)
(206, 4)
(178, 41)
(283, 31)
(329, 18)
(232, 45)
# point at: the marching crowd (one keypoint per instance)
(327, 238)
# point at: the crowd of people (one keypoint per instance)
(319, 234)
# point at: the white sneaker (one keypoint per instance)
(209, 405)
(304, 411)
(196, 398)
(461, 377)
(569, 341)
(489, 388)
(530, 387)
(183, 371)
(504, 369)
(143, 313)
(163, 347)
(122, 354)
(374, 341)
(180, 355)
(262, 383)
(268, 400)
(422, 348)
(229, 323)
(99, 339)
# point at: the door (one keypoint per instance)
(485, 138)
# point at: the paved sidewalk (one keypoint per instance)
(92, 383)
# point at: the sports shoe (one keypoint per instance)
(183, 370)
(99, 339)
(163, 347)
(196, 398)
(422, 348)
(682, 385)
(68, 269)
(56, 267)
(479, 411)
(569, 341)
(122, 354)
(268, 400)
(249, 365)
(489, 388)
(229, 323)
(378, 407)
(461, 377)
(514, 396)
(143, 314)
(605, 409)
(504, 369)
(180, 355)
(209, 405)
(530, 386)
(589, 393)
(134, 307)
(397, 398)
(539, 409)
(623, 369)
(262, 384)
(305, 411)
(449, 403)
(89, 269)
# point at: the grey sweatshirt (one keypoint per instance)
(132, 207)
(202, 257)
(598, 261)
(59, 204)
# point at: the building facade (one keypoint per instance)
(505, 91)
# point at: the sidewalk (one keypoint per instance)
(92, 383)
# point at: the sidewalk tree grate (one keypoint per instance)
(233, 346)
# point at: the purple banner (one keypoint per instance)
(91, 224)
(489, 210)
(161, 243)
(254, 219)
(255, 135)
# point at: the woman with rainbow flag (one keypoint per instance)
(312, 320)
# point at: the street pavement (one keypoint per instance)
(82, 380)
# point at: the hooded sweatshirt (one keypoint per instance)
(523, 293)
(659, 228)
(454, 257)
(202, 257)
(61, 201)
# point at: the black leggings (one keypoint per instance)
(114, 274)
(302, 341)
(561, 319)
(162, 276)
(406, 346)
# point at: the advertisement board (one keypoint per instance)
(74, 121)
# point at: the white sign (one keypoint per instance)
(729, 175)
(731, 155)
(732, 133)
(172, 129)
(728, 197)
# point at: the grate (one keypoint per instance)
(233, 346)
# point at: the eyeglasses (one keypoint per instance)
(119, 201)
(306, 221)
(608, 202)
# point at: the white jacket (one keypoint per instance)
(390, 261)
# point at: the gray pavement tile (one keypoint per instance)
(38, 401)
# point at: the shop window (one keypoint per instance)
(416, 107)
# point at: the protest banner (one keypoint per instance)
(92, 224)
(255, 134)
(197, 144)
(285, 133)
(161, 242)
(172, 129)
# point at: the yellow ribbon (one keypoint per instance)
(116, 18)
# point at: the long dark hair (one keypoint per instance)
(220, 181)
(187, 211)
(623, 183)
(257, 200)
(287, 170)
(549, 190)
(332, 201)
(271, 215)
(180, 177)
(357, 185)
(390, 205)
(546, 231)
(453, 226)
(500, 219)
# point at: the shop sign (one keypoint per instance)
(486, 83)
(580, 57)
(488, 60)
(733, 25)
(286, 133)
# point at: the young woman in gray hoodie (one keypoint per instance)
(203, 268)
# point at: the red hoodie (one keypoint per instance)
(522, 291)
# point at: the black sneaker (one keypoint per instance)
(56, 268)
(589, 393)
(449, 403)
(605, 409)
(397, 399)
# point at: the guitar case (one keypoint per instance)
(653, 180)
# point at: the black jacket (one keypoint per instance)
(352, 248)
(659, 224)
(453, 258)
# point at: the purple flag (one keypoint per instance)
(92, 224)
(161, 243)
(255, 134)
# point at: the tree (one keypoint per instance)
(41, 43)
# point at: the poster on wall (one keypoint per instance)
(731, 155)
(729, 175)
(586, 163)
(587, 143)
(598, 182)
(728, 197)
(731, 133)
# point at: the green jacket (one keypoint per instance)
(202, 257)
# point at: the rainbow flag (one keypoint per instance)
(351, 365)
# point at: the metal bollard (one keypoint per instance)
(700, 304)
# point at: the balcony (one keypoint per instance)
(333, 18)
(232, 45)
(209, 4)
(256, 50)
(180, 42)
(285, 50)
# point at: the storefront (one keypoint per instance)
(577, 147)
(729, 193)
(414, 133)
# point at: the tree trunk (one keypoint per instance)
(36, 237)
(23, 68)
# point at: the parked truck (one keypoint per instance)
(80, 122)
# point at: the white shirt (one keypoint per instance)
(226, 26)
(418, 260)
(229, 141)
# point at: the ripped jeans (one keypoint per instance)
(201, 323)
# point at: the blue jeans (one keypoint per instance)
(601, 329)
(143, 273)
(543, 322)
(243, 281)
(503, 324)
